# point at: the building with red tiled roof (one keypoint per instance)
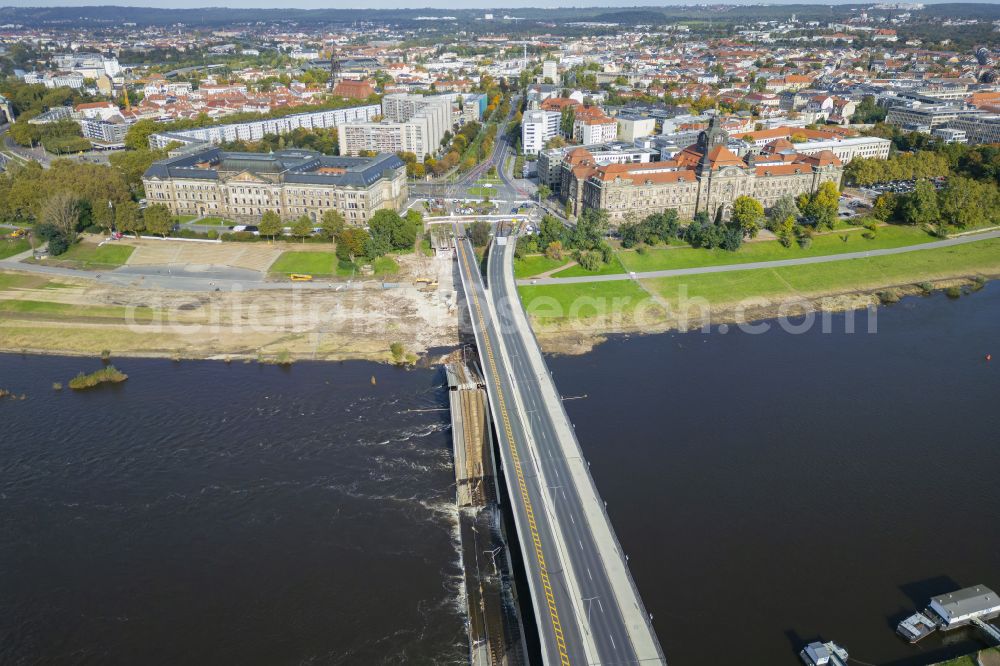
(352, 89)
(705, 177)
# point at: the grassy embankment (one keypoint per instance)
(8, 248)
(987, 656)
(91, 257)
(683, 256)
(560, 305)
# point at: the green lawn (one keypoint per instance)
(309, 263)
(212, 221)
(840, 276)
(385, 266)
(89, 256)
(346, 269)
(655, 259)
(183, 219)
(613, 267)
(9, 248)
(534, 264)
(550, 303)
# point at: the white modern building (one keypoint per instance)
(106, 133)
(537, 127)
(550, 71)
(870, 147)
(632, 128)
(958, 608)
(89, 65)
(411, 123)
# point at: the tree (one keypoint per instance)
(392, 231)
(550, 230)
(590, 229)
(332, 224)
(302, 228)
(158, 220)
(554, 250)
(128, 218)
(567, 118)
(132, 164)
(351, 243)
(479, 233)
(921, 205)
(544, 192)
(785, 230)
(966, 203)
(781, 210)
(270, 224)
(137, 137)
(62, 213)
(748, 215)
(821, 206)
(885, 206)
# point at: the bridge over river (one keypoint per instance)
(585, 602)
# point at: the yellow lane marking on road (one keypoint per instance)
(519, 473)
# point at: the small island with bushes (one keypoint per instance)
(106, 375)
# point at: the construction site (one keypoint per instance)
(496, 634)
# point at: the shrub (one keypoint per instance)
(926, 287)
(888, 296)
(240, 236)
(109, 374)
(642, 249)
(953, 292)
(58, 245)
(398, 351)
(805, 242)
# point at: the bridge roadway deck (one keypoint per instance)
(586, 605)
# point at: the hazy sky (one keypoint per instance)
(388, 4)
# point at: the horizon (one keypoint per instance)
(438, 5)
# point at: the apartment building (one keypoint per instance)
(292, 183)
(106, 133)
(411, 123)
(590, 125)
(255, 130)
(537, 127)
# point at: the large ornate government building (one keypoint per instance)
(706, 176)
(243, 186)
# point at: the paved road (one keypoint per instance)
(674, 272)
(559, 636)
(592, 602)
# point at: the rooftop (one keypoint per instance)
(290, 166)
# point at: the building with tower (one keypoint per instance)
(704, 177)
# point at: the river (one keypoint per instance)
(204, 513)
(769, 489)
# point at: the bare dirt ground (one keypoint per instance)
(309, 321)
(254, 256)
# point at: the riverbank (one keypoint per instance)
(572, 318)
(45, 314)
